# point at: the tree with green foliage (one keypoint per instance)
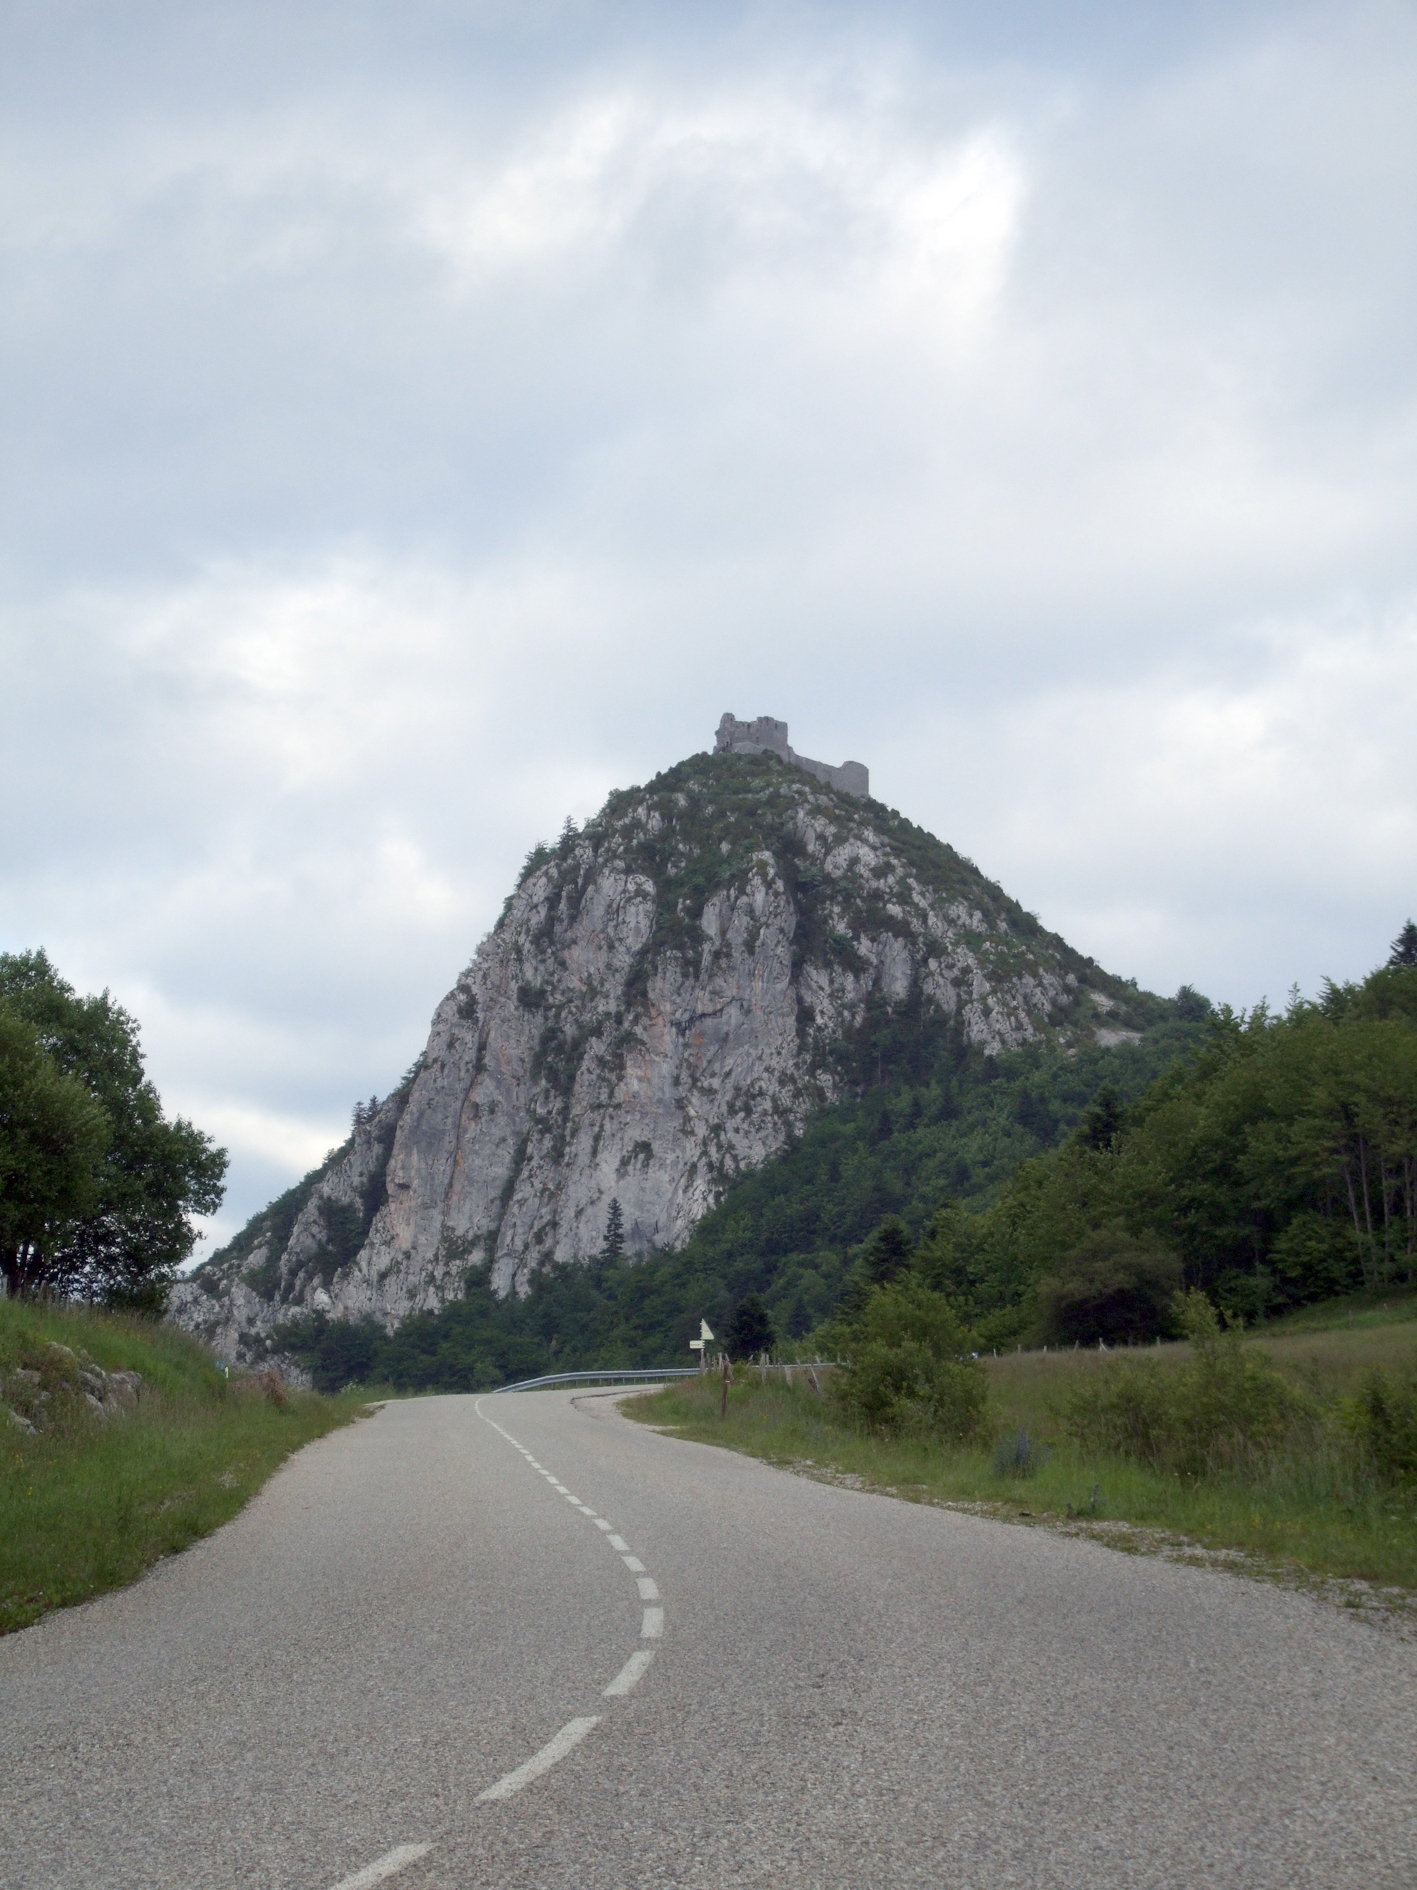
(1279, 1163)
(749, 1331)
(887, 1253)
(613, 1246)
(126, 1246)
(907, 1364)
(1102, 1120)
(884, 1257)
(1404, 948)
(1113, 1286)
(53, 1135)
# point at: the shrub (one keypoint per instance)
(1383, 1419)
(1112, 1286)
(908, 1368)
(1223, 1405)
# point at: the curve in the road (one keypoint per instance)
(861, 1691)
(575, 1730)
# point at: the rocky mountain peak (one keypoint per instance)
(668, 995)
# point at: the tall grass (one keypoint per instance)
(1309, 1500)
(87, 1506)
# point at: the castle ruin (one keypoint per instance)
(767, 736)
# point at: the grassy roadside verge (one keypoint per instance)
(86, 1505)
(1305, 1516)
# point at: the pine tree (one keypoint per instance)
(887, 1252)
(1102, 1120)
(1404, 948)
(750, 1330)
(614, 1243)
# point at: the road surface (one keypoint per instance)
(523, 1641)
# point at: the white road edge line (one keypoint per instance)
(569, 1737)
(385, 1866)
(629, 1674)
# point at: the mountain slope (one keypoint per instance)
(790, 1231)
(669, 997)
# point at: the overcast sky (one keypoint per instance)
(420, 419)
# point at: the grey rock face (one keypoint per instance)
(286, 1266)
(667, 998)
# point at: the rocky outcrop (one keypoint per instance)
(288, 1257)
(668, 996)
(60, 1383)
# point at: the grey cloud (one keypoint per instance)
(418, 423)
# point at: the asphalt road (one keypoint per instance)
(392, 1667)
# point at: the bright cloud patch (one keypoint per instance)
(409, 440)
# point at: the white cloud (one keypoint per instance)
(291, 1143)
(400, 462)
(1238, 833)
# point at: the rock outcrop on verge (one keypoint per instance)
(62, 1383)
(667, 997)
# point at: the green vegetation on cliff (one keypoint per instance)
(1267, 1160)
(702, 827)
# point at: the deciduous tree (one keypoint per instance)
(52, 1138)
(128, 1243)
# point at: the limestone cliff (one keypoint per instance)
(668, 995)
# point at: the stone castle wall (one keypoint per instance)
(766, 735)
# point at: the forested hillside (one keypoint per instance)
(791, 1231)
(1276, 1167)
(1266, 1159)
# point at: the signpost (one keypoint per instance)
(697, 1345)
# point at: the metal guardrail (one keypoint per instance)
(599, 1378)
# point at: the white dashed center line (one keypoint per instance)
(629, 1674)
(572, 1733)
(386, 1866)
(569, 1737)
(651, 1625)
